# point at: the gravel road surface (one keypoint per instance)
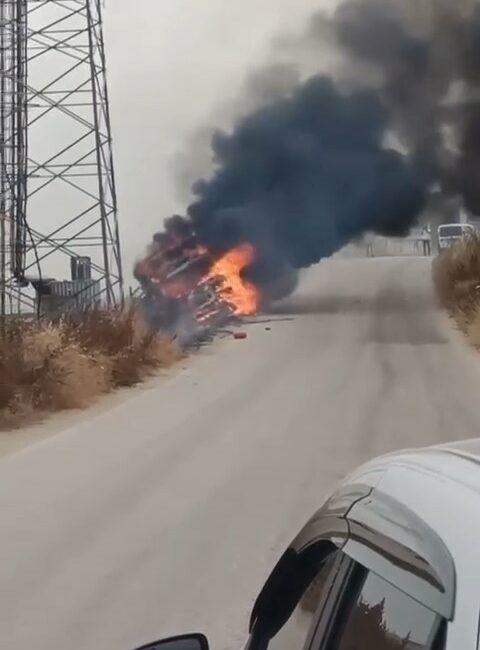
(164, 513)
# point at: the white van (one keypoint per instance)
(449, 233)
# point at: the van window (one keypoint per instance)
(450, 231)
(381, 617)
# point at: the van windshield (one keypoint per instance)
(450, 231)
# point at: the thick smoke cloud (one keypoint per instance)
(302, 177)
(311, 170)
(427, 56)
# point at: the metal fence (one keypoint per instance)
(413, 246)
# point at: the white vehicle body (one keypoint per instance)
(390, 561)
(442, 486)
(409, 524)
(449, 233)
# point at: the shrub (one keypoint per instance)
(69, 363)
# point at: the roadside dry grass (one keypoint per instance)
(456, 274)
(68, 364)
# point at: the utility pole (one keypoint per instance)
(57, 188)
(12, 131)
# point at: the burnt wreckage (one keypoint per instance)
(178, 292)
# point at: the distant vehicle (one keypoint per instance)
(390, 562)
(449, 233)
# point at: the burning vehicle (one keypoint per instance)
(188, 289)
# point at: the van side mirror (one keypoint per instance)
(183, 642)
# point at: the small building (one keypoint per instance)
(57, 296)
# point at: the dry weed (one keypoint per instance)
(472, 329)
(456, 274)
(69, 363)
(75, 380)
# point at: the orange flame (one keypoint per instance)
(239, 293)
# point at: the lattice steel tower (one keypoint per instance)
(57, 187)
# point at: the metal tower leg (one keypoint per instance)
(57, 193)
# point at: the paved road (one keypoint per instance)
(164, 514)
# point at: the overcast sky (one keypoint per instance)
(171, 62)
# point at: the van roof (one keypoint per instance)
(457, 223)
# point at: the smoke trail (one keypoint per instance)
(265, 85)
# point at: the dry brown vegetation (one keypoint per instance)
(456, 273)
(46, 367)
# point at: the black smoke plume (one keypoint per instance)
(302, 177)
(311, 169)
(427, 56)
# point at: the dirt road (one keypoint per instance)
(165, 513)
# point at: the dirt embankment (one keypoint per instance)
(456, 274)
(45, 368)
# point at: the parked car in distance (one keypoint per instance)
(390, 562)
(449, 233)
